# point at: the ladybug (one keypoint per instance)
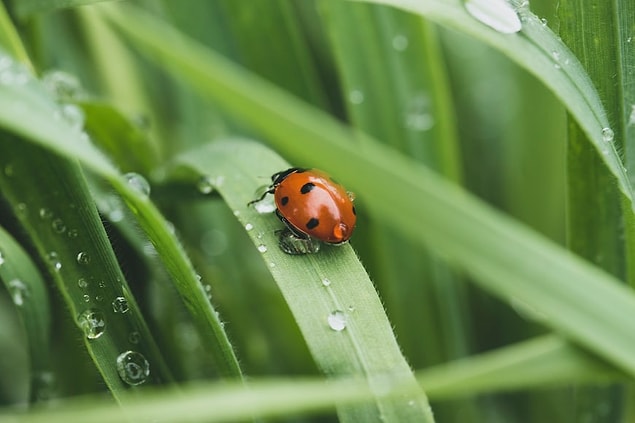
(313, 207)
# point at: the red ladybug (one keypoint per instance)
(312, 205)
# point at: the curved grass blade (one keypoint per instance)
(27, 110)
(61, 223)
(26, 8)
(333, 301)
(539, 51)
(28, 291)
(507, 259)
(537, 363)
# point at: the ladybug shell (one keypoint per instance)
(311, 203)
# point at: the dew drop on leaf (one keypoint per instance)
(497, 14)
(337, 320)
(133, 368)
(92, 322)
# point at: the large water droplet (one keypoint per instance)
(337, 320)
(326, 282)
(138, 183)
(82, 283)
(19, 291)
(262, 248)
(133, 367)
(92, 322)
(83, 257)
(497, 14)
(120, 305)
(607, 135)
(249, 227)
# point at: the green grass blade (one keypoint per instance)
(63, 227)
(28, 291)
(502, 254)
(537, 363)
(539, 51)
(316, 287)
(10, 39)
(44, 125)
(26, 8)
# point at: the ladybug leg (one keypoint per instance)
(270, 189)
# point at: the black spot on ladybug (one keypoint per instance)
(306, 188)
(284, 201)
(354, 212)
(312, 223)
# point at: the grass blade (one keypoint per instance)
(316, 288)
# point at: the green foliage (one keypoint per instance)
(470, 272)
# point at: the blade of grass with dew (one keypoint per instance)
(27, 110)
(501, 253)
(539, 51)
(602, 40)
(597, 216)
(536, 363)
(59, 217)
(405, 102)
(28, 291)
(330, 295)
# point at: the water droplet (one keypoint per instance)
(556, 55)
(74, 116)
(400, 42)
(99, 298)
(356, 97)
(497, 14)
(337, 320)
(205, 185)
(1, 258)
(62, 85)
(72, 233)
(54, 261)
(262, 248)
(249, 227)
(236, 213)
(631, 118)
(543, 21)
(86, 298)
(102, 284)
(120, 305)
(629, 40)
(45, 213)
(92, 322)
(134, 337)
(19, 291)
(351, 308)
(607, 135)
(133, 367)
(82, 283)
(138, 183)
(83, 258)
(326, 282)
(266, 205)
(22, 209)
(418, 116)
(58, 226)
(272, 264)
